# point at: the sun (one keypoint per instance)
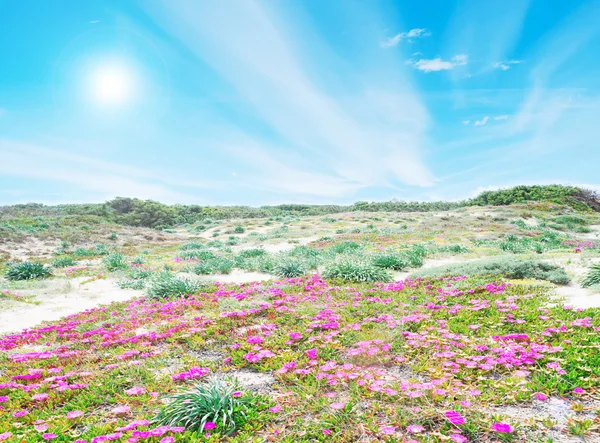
(112, 85)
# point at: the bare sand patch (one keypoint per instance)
(61, 298)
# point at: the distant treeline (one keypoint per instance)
(149, 213)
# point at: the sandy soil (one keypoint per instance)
(61, 298)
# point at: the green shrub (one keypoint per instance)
(63, 262)
(191, 245)
(592, 277)
(114, 262)
(200, 254)
(27, 271)
(165, 285)
(455, 249)
(344, 247)
(249, 253)
(131, 284)
(356, 271)
(390, 261)
(215, 265)
(239, 230)
(290, 268)
(214, 401)
(502, 267)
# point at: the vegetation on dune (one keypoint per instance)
(428, 359)
(165, 284)
(505, 267)
(27, 271)
(592, 277)
(148, 213)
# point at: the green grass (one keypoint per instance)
(27, 271)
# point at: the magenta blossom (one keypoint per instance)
(504, 428)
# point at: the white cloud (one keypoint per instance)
(413, 33)
(368, 136)
(466, 122)
(483, 121)
(437, 64)
(505, 65)
(501, 117)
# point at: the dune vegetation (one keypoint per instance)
(378, 322)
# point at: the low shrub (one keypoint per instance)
(215, 265)
(27, 271)
(390, 261)
(249, 253)
(165, 284)
(63, 262)
(216, 402)
(290, 268)
(239, 230)
(356, 271)
(502, 267)
(200, 254)
(344, 247)
(592, 277)
(114, 262)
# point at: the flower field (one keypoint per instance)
(420, 360)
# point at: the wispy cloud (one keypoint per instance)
(438, 64)
(367, 136)
(409, 36)
(104, 179)
(505, 65)
(466, 122)
(483, 121)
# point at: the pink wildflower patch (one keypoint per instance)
(275, 409)
(121, 410)
(49, 436)
(455, 418)
(338, 405)
(135, 391)
(415, 429)
(210, 425)
(503, 428)
(74, 414)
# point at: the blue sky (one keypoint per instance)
(265, 102)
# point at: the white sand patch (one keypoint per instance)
(579, 297)
(57, 302)
(237, 276)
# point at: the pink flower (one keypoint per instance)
(388, 430)
(255, 339)
(311, 353)
(326, 431)
(578, 391)
(40, 397)
(121, 410)
(49, 436)
(502, 427)
(209, 425)
(276, 409)
(41, 427)
(5, 435)
(541, 397)
(74, 414)
(337, 405)
(457, 438)
(236, 394)
(20, 413)
(415, 429)
(135, 391)
(168, 440)
(3, 398)
(455, 418)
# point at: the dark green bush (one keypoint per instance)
(27, 271)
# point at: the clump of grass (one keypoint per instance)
(191, 245)
(355, 270)
(214, 265)
(592, 278)
(455, 249)
(290, 268)
(390, 260)
(344, 247)
(63, 262)
(131, 284)
(200, 254)
(165, 284)
(250, 253)
(214, 401)
(114, 262)
(239, 230)
(502, 267)
(27, 271)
